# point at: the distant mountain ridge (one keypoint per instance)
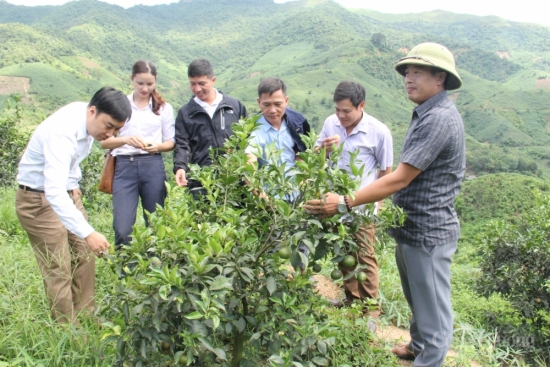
(56, 54)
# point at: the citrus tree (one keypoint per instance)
(220, 280)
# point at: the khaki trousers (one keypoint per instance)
(65, 260)
(365, 255)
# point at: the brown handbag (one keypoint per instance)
(106, 183)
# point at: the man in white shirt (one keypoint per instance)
(48, 201)
(354, 128)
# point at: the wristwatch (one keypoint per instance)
(342, 207)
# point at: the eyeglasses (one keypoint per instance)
(416, 58)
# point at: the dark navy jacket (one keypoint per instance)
(298, 125)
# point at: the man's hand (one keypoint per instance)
(330, 142)
(180, 177)
(98, 243)
(323, 208)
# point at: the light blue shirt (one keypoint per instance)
(266, 140)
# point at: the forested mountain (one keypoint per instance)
(55, 54)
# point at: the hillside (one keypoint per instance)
(55, 54)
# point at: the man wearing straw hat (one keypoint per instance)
(427, 179)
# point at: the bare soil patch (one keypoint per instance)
(504, 55)
(327, 288)
(14, 84)
(88, 63)
(252, 75)
(404, 50)
(387, 334)
(542, 83)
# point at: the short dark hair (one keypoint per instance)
(200, 67)
(355, 92)
(434, 70)
(113, 103)
(270, 86)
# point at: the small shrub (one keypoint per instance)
(204, 283)
(515, 264)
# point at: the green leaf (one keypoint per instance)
(220, 353)
(194, 315)
(316, 222)
(271, 285)
(240, 324)
(215, 321)
(221, 282)
(322, 347)
(320, 361)
(206, 344)
(277, 359)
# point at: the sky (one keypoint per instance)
(531, 11)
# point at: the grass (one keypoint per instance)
(29, 337)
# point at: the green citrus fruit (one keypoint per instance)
(336, 274)
(285, 252)
(348, 261)
(183, 359)
(165, 345)
(317, 268)
(361, 277)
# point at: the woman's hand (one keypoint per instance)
(135, 142)
(151, 148)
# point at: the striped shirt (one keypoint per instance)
(435, 145)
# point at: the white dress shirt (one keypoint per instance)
(51, 163)
(145, 124)
(210, 108)
(371, 137)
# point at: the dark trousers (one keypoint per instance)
(136, 177)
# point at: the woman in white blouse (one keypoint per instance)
(139, 169)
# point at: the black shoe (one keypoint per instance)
(346, 302)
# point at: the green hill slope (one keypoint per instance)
(54, 54)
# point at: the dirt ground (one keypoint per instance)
(387, 334)
(542, 83)
(14, 84)
(504, 55)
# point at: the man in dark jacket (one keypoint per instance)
(205, 121)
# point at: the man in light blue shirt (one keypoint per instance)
(280, 126)
(277, 139)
